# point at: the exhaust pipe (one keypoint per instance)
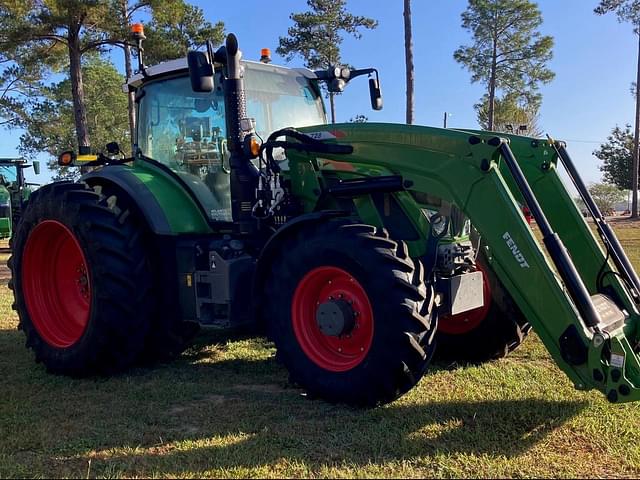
(244, 175)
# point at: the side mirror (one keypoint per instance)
(66, 158)
(36, 167)
(200, 72)
(375, 94)
(113, 148)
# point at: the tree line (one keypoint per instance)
(60, 88)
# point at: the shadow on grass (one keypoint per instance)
(199, 413)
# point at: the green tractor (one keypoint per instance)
(354, 247)
(13, 193)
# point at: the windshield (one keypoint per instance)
(173, 116)
(8, 174)
(279, 98)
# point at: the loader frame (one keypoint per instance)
(583, 305)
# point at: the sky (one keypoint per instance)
(594, 61)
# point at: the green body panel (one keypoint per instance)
(444, 164)
(5, 227)
(181, 211)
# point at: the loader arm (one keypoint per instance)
(589, 327)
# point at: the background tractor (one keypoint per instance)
(343, 242)
(13, 192)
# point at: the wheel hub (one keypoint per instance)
(332, 318)
(335, 318)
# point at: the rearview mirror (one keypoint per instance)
(375, 94)
(36, 167)
(200, 72)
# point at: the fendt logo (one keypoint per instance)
(515, 250)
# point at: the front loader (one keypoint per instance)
(344, 243)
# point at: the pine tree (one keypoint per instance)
(508, 52)
(317, 34)
(38, 37)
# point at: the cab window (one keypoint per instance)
(185, 131)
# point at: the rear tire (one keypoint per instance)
(500, 329)
(168, 335)
(82, 281)
(360, 271)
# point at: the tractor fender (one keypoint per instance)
(138, 193)
(263, 266)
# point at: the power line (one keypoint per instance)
(583, 141)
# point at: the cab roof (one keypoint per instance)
(179, 66)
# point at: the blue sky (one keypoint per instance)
(594, 61)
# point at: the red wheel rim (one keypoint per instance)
(467, 321)
(336, 354)
(56, 284)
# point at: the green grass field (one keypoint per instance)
(224, 409)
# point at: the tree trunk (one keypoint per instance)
(77, 88)
(124, 5)
(636, 146)
(492, 87)
(408, 51)
(332, 103)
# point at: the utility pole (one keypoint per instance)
(636, 144)
(446, 116)
(408, 50)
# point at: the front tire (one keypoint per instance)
(487, 333)
(350, 313)
(81, 281)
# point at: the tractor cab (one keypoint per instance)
(186, 130)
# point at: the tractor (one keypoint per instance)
(14, 193)
(354, 247)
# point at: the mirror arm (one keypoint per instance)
(364, 71)
(327, 75)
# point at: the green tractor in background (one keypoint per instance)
(348, 244)
(14, 192)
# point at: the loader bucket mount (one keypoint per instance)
(602, 339)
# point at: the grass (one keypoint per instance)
(225, 409)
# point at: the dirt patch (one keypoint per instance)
(624, 222)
